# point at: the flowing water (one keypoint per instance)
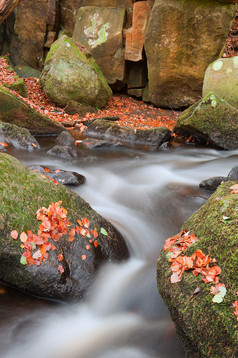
(147, 196)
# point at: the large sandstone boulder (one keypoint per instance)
(211, 120)
(182, 39)
(35, 28)
(70, 74)
(206, 328)
(6, 7)
(221, 77)
(100, 30)
(135, 35)
(69, 9)
(67, 270)
(15, 111)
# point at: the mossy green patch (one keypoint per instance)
(207, 328)
(15, 111)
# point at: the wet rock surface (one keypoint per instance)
(64, 177)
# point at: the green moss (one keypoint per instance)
(15, 111)
(207, 328)
(211, 119)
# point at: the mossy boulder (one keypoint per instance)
(16, 111)
(206, 328)
(211, 120)
(109, 130)
(72, 74)
(221, 78)
(23, 192)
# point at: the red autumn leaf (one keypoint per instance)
(4, 144)
(47, 170)
(84, 257)
(57, 171)
(95, 244)
(23, 237)
(43, 250)
(60, 269)
(33, 144)
(60, 257)
(14, 234)
(85, 222)
(71, 238)
(94, 233)
(79, 222)
(87, 247)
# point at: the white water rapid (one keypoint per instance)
(147, 196)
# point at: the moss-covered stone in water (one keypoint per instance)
(210, 119)
(207, 329)
(22, 193)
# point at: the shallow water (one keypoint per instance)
(147, 196)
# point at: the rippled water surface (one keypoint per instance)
(147, 196)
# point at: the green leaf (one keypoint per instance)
(33, 244)
(88, 235)
(222, 291)
(23, 260)
(218, 298)
(103, 231)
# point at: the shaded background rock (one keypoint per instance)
(182, 39)
(183, 36)
(100, 30)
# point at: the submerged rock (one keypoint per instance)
(65, 139)
(70, 74)
(211, 120)
(15, 111)
(64, 177)
(111, 131)
(63, 151)
(212, 184)
(206, 328)
(23, 193)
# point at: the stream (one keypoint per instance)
(147, 196)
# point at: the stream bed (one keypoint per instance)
(147, 196)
